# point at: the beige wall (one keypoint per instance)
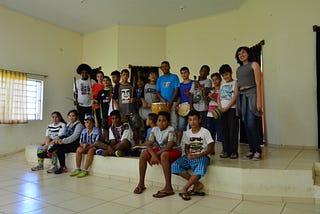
(30, 45)
(289, 59)
(117, 47)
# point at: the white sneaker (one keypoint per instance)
(52, 169)
(256, 156)
(37, 167)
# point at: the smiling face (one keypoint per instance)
(227, 76)
(165, 68)
(185, 74)
(72, 117)
(55, 118)
(243, 56)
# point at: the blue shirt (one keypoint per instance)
(185, 92)
(166, 85)
(94, 136)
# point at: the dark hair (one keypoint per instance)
(84, 67)
(153, 117)
(107, 77)
(100, 72)
(152, 72)
(206, 67)
(165, 62)
(216, 74)
(115, 113)
(59, 115)
(115, 73)
(194, 113)
(184, 69)
(224, 69)
(125, 71)
(165, 114)
(250, 56)
(73, 111)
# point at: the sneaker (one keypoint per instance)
(61, 170)
(75, 172)
(37, 167)
(256, 156)
(248, 156)
(52, 169)
(119, 153)
(83, 173)
(234, 156)
(99, 151)
(224, 155)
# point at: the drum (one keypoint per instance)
(157, 107)
(217, 113)
(184, 109)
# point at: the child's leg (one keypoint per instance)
(143, 161)
(166, 167)
(89, 158)
(79, 153)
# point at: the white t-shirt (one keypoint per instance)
(121, 132)
(54, 131)
(84, 94)
(198, 141)
(226, 93)
(199, 102)
(163, 137)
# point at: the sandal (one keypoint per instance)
(161, 194)
(139, 189)
(196, 193)
(184, 196)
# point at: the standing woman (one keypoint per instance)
(70, 142)
(249, 104)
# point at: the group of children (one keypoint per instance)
(113, 127)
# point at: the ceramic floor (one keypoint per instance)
(23, 191)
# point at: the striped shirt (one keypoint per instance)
(53, 131)
(92, 137)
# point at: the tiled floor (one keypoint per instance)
(23, 191)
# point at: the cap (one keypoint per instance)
(89, 117)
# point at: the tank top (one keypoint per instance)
(245, 75)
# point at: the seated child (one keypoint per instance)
(88, 136)
(151, 122)
(54, 130)
(165, 153)
(120, 138)
(198, 146)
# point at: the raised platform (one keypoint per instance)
(283, 174)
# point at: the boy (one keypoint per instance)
(198, 145)
(198, 98)
(149, 95)
(120, 138)
(115, 75)
(88, 137)
(165, 153)
(229, 121)
(82, 88)
(184, 97)
(214, 124)
(167, 90)
(151, 122)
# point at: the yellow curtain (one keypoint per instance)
(13, 97)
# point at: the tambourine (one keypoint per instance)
(184, 109)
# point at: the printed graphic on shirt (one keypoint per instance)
(226, 92)
(84, 89)
(125, 95)
(167, 84)
(151, 91)
(196, 145)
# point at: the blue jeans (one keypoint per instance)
(253, 125)
(214, 126)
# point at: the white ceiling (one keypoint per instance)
(87, 16)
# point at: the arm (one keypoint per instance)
(176, 91)
(75, 135)
(257, 77)
(160, 97)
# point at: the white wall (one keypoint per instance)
(30, 45)
(289, 59)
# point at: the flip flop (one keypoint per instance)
(184, 196)
(196, 193)
(139, 189)
(161, 194)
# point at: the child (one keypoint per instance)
(214, 124)
(54, 130)
(184, 97)
(96, 88)
(115, 75)
(198, 98)
(151, 122)
(149, 95)
(165, 153)
(198, 145)
(120, 138)
(229, 121)
(82, 88)
(88, 136)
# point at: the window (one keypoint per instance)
(34, 99)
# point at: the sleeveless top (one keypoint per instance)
(245, 75)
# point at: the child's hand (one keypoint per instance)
(154, 160)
